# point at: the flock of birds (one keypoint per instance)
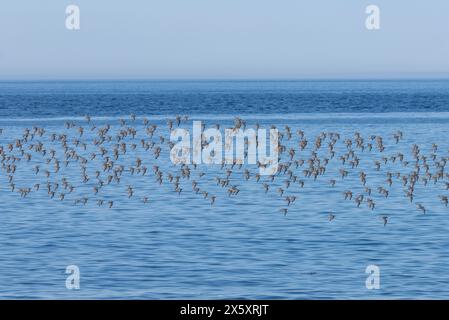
(134, 147)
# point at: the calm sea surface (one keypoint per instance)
(176, 246)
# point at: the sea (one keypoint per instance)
(162, 243)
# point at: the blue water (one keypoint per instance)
(109, 98)
(243, 246)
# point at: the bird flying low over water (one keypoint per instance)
(114, 162)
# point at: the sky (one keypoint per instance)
(223, 39)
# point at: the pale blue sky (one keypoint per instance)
(223, 39)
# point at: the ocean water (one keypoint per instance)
(179, 245)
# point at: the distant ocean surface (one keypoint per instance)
(117, 98)
(181, 246)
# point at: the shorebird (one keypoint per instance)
(444, 199)
(421, 207)
(385, 220)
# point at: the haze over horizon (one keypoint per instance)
(255, 39)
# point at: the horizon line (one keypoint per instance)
(224, 79)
